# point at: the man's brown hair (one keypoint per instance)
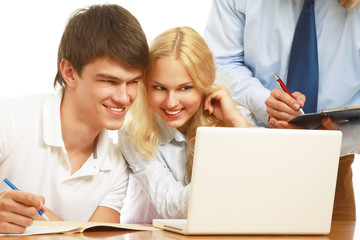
(102, 31)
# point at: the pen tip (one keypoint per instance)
(276, 76)
(46, 217)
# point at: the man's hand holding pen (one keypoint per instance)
(282, 107)
(18, 210)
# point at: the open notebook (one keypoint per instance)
(261, 181)
(51, 227)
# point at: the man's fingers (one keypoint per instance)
(10, 204)
(327, 124)
(281, 102)
(27, 199)
(15, 218)
(6, 227)
(286, 98)
(300, 98)
(21, 203)
(42, 201)
(274, 123)
(280, 115)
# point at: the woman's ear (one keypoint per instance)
(68, 73)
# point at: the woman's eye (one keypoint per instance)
(186, 88)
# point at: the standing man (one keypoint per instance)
(253, 39)
(56, 145)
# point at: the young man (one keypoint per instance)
(56, 145)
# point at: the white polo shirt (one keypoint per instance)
(33, 157)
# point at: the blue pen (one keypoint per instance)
(7, 181)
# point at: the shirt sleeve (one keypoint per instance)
(351, 136)
(169, 196)
(224, 34)
(119, 182)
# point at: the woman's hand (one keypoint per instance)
(222, 106)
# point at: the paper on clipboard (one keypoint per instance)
(339, 115)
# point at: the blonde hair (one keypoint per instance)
(350, 4)
(187, 46)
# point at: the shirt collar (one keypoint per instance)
(98, 161)
(53, 136)
(167, 134)
(102, 150)
(51, 120)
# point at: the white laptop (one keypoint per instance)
(260, 181)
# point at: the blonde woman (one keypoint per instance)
(177, 97)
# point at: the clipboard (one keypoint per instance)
(339, 115)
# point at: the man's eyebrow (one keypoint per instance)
(111, 77)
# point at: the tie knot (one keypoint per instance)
(308, 6)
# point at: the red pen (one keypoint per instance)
(284, 88)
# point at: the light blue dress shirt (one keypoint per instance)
(251, 40)
(157, 188)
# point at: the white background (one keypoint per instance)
(30, 31)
